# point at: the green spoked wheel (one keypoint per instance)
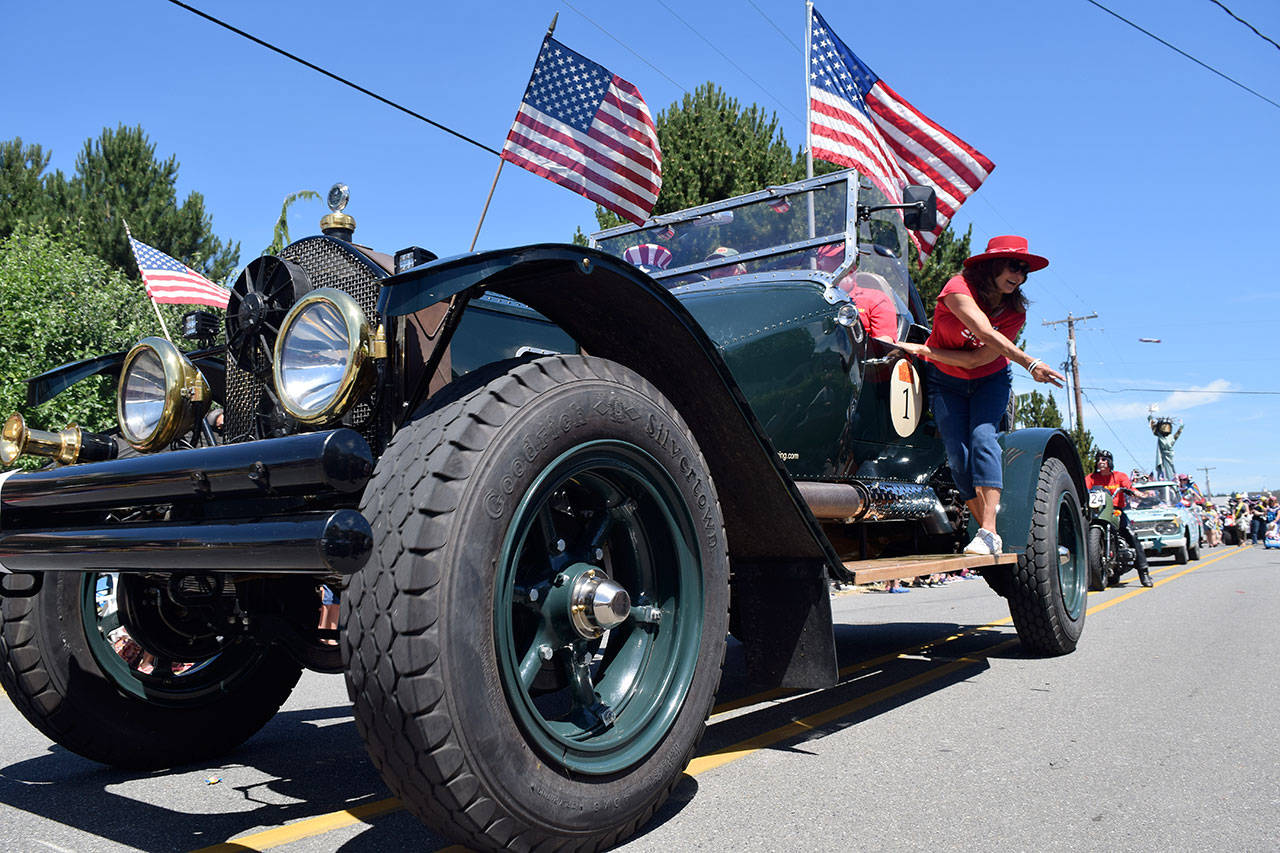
(107, 666)
(1050, 583)
(535, 647)
(598, 614)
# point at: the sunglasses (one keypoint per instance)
(1019, 267)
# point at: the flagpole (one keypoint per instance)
(485, 212)
(808, 105)
(164, 328)
(550, 32)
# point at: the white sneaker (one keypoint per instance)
(985, 544)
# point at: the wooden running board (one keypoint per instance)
(901, 568)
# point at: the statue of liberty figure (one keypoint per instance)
(1162, 428)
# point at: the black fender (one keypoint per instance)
(780, 556)
(51, 383)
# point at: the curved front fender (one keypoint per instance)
(1023, 452)
(615, 311)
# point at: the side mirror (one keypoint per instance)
(923, 214)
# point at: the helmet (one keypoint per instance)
(1103, 454)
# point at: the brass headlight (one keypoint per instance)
(321, 356)
(160, 395)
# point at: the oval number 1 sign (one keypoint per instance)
(905, 404)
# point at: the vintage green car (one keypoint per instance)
(547, 485)
(1162, 525)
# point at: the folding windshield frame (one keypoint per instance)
(848, 237)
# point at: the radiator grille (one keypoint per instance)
(328, 263)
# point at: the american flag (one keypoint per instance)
(587, 129)
(173, 282)
(856, 120)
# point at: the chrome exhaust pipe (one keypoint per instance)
(876, 500)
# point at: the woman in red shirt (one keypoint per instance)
(978, 314)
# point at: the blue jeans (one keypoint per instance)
(968, 414)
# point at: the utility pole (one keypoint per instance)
(1066, 366)
(1075, 363)
(1208, 491)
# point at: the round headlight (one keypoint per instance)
(320, 356)
(160, 394)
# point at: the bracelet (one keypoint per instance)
(1031, 368)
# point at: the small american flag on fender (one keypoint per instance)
(587, 129)
(173, 282)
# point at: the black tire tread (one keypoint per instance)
(182, 737)
(1039, 626)
(417, 485)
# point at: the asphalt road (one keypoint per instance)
(1158, 733)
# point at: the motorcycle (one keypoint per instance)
(1110, 556)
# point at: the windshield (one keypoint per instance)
(751, 237)
(1157, 496)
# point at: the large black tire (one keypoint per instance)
(63, 674)
(1193, 551)
(1098, 572)
(465, 505)
(1048, 593)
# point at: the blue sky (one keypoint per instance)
(1142, 176)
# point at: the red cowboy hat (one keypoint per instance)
(1006, 247)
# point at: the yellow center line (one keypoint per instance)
(358, 814)
(795, 728)
(306, 828)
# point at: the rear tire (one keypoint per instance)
(1193, 551)
(1047, 599)
(485, 708)
(76, 678)
(1180, 555)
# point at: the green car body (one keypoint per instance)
(547, 483)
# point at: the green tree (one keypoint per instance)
(1084, 446)
(22, 184)
(117, 178)
(946, 260)
(63, 304)
(713, 148)
(280, 235)
(1034, 409)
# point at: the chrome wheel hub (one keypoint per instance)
(597, 604)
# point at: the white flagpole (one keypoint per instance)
(808, 105)
(129, 235)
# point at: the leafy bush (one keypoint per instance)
(62, 304)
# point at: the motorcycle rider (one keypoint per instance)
(1116, 482)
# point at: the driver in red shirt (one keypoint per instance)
(1117, 482)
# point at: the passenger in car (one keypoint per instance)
(720, 254)
(870, 292)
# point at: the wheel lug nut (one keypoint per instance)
(560, 546)
(546, 652)
(598, 553)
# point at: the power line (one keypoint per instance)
(583, 15)
(764, 15)
(1182, 391)
(726, 58)
(193, 10)
(1243, 21)
(1105, 422)
(1204, 65)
